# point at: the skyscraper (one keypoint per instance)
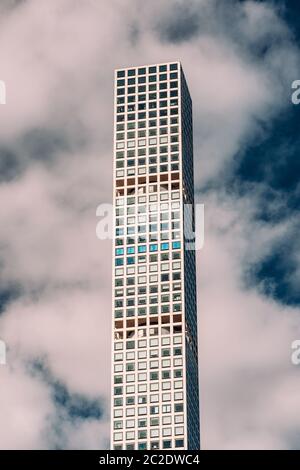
(155, 391)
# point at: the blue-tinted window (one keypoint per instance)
(142, 249)
(167, 444)
(130, 250)
(164, 246)
(154, 247)
(163, 76)
(176, 245)
(119, 262)
(119, 251)
(130, 260)
(179, 443)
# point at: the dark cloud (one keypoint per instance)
(37, 145)
(180, 23)
(134, 33)
(8, 293)
(70, 408)
(274, 161)
(74, 405)
(10, 4)
(43, 144)
(276, 273)
(10, 165)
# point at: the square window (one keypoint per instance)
(162, 68)
(167, 444)
(179, 443)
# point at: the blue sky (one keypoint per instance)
(57, 59)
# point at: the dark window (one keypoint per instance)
(163, 76)
(166, 444)
(179, 443)
(162, 68)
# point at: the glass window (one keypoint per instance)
(179, 443)
(154, 247)
(176, 245)
(167, 444)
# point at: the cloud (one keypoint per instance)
(57, 60)
(249, 387)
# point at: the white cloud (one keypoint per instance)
(249, 386)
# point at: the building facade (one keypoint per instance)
(155, 391)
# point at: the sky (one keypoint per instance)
(57, 60)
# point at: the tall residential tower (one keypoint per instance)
(155, 391)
